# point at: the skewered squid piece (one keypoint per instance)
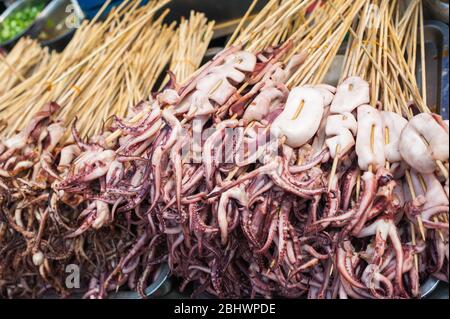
(423, 141)
(67, 155)
(32, 130)
(94, 164)
(342, 128)
(327, 92)
(140, 133)
(218, 59)
(88, 166)
(301, 116)
(237, 193)
(219, 84)
(393, 125)
(47, 141)
(318, 143)
(384, 228)
(53, 135)
(369, 140)
(267, 101)
(252, 145)
(30, 150)
(350, 94)
(211, 149)
(164, 148)
(281, 75)
(271, 92)
(215, 83)
(96, 215)
(432, 198)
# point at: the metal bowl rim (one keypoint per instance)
(10, 10)
(45, 14)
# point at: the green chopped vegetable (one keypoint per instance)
(18, 21)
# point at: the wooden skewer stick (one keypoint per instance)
(132, 25)
(422, 55)
(334, 167)
(358, 186)
(442, 168)
(424, 188)
(413, 237)
(241, 23)
(413, 230)
(413, 195)
(13, 70)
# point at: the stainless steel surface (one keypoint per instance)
(18, 5)
(428, 287)
(438, 9)
(8, 2)
(439, 292)
(56, 12)
(158, 289)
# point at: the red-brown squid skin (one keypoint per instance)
(265, 223)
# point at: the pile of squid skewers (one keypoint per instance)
(265, 211)
(36, 253)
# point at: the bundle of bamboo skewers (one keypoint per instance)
(107, 67)
(192, 40)
(25, 59)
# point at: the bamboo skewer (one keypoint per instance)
(134, 24)
(391, 93)
(241, 23)
(23, 61)
(11, 68)
(422, 56)
(194, 36)
(413, 195)
(110, 61)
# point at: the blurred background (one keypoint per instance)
(47, 20)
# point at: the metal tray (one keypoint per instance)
(56, 12)
(158, 289)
